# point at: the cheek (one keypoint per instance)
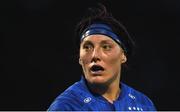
(114, 66)
(85, 58)
(113, 61)
(114, 57)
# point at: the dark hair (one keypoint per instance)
(101, 15)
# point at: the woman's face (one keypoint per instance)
(101, 59)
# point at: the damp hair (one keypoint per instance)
(100, 14)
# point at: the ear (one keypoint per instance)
(124, 58)
(80, 61)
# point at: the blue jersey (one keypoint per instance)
(78, 98)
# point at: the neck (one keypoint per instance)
(112, 93)
(109, 92)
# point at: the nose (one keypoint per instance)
(95, 55)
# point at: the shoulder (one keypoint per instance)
(70, 99)
(138, 97)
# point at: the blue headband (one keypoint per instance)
(104, 30)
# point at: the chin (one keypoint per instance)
(97, 80)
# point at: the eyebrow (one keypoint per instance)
(106, 42)
(86, 42)
(101, 42)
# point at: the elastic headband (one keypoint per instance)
(103, 29)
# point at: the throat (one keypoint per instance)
(112, 96)
(109, 93)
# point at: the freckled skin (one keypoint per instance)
(101, 50)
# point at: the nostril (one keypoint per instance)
(95, 59)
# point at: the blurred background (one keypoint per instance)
(38, 55)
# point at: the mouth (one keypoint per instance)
(96, 69)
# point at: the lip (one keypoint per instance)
(98, 72)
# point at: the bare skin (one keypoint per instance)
(101, 50)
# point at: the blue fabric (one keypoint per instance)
(78, 98)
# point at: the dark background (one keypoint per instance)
(39, 59)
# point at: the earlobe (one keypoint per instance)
(124, 59)
(80, 62)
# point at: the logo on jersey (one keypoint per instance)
(87, 100)
(132, 96)
(135, 108)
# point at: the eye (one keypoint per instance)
(106, 47)
(87, 46)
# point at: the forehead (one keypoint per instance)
(97, 38)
